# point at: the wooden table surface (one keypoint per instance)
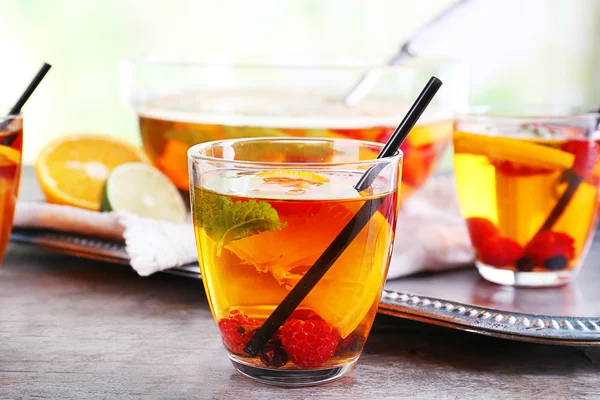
(72, 328)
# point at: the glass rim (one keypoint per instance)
(4, 118)
(6, 123)
(192, 153)
(206, 62)
(493, 112)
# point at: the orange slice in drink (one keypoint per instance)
(346, 293)
(517, 151)
(297, 181)
(295, 175)
(72, 170)
(9, 155)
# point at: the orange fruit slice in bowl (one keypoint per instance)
(72, 169)
(173, 163)
(430, 133)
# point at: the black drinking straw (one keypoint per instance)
(16, 109)
(350, 231)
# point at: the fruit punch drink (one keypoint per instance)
(217, 102)
(11, 136)
(261, 226)
(167, 134)
(528, 188)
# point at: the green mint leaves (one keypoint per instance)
(225, 220)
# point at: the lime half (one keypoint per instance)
(141, 189)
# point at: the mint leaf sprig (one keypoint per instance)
(225, 220)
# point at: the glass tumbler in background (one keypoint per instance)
(261, 224)
(527, 180)
(11, 136)
(180, 104)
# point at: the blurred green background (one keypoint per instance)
(543, 51)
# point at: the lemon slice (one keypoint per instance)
(143, 190)
(517, 151)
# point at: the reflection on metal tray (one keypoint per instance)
(569, 315)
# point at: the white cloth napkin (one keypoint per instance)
(430, 233)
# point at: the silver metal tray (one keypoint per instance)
(460, 299)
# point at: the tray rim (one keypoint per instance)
(546, 329)
(536, 328)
